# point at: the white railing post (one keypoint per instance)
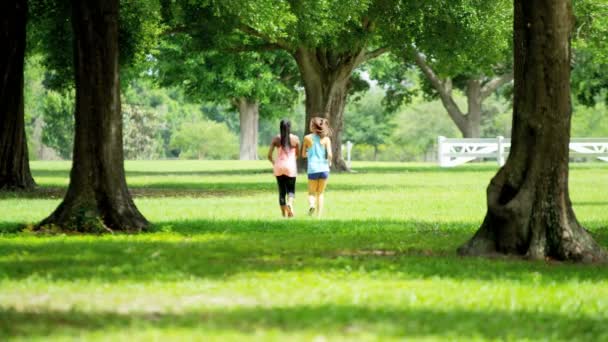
(501, 150)
(440, 151)
(349, 147)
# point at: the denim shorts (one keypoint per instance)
(318, 175)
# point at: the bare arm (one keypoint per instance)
(330, 155)
(297, 145)
(305, 147)
(271, 150)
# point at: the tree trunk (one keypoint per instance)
(473, 116)
(14, 162)
(97, 198)
(529, 208)
(249, 116)
(326, 77)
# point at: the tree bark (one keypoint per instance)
(473, 117)
(529, 209)
(97, 198)
(249, 116)
(326, 77)
(14, 162)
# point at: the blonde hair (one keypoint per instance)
(320, 126)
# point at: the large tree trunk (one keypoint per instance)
(529, 208)
(97, 197)
(14, 164)
(326, 77)
(249, 116)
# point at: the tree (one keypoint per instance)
(328, 40)
(97, 198)
(462, 46)
(368, 122)
(529, 208)
(251, 82)
(14, 162)
(418, 126)
(477, 89)
(204, 139)
(141, 132)
(58, 116)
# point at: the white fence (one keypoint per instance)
(453, 152)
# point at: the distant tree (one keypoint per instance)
(249, 82)
(462, 46)
(418, 126)
(590, 121)
(204, 139)
(58, 118)
(529, 208)
(14, 162)
(368, 121)
(141, 132)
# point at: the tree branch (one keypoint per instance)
(374, 53)
(258, 47)
(444, 91)
(495, 83)
(255, 33)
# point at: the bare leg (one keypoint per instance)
(321, 196)
(291, 194)
(290, 211)
(312, 190)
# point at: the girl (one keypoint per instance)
(284, 167)
(317, 148)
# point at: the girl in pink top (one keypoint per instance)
(284, 167)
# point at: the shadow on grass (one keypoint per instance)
(337, 320)
(434, 168)
(590, 204)
(368, 168)
(428, 168)
(193, 189)
(212, 249)
(54, 173)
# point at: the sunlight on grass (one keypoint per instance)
(222, 265)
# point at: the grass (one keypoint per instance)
(222, 265)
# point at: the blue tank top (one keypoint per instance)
(317, 156)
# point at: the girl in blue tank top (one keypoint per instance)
(317, 150)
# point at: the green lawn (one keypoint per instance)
(223, 265)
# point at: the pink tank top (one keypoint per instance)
(285, 165)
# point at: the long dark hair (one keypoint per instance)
(285, 128)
